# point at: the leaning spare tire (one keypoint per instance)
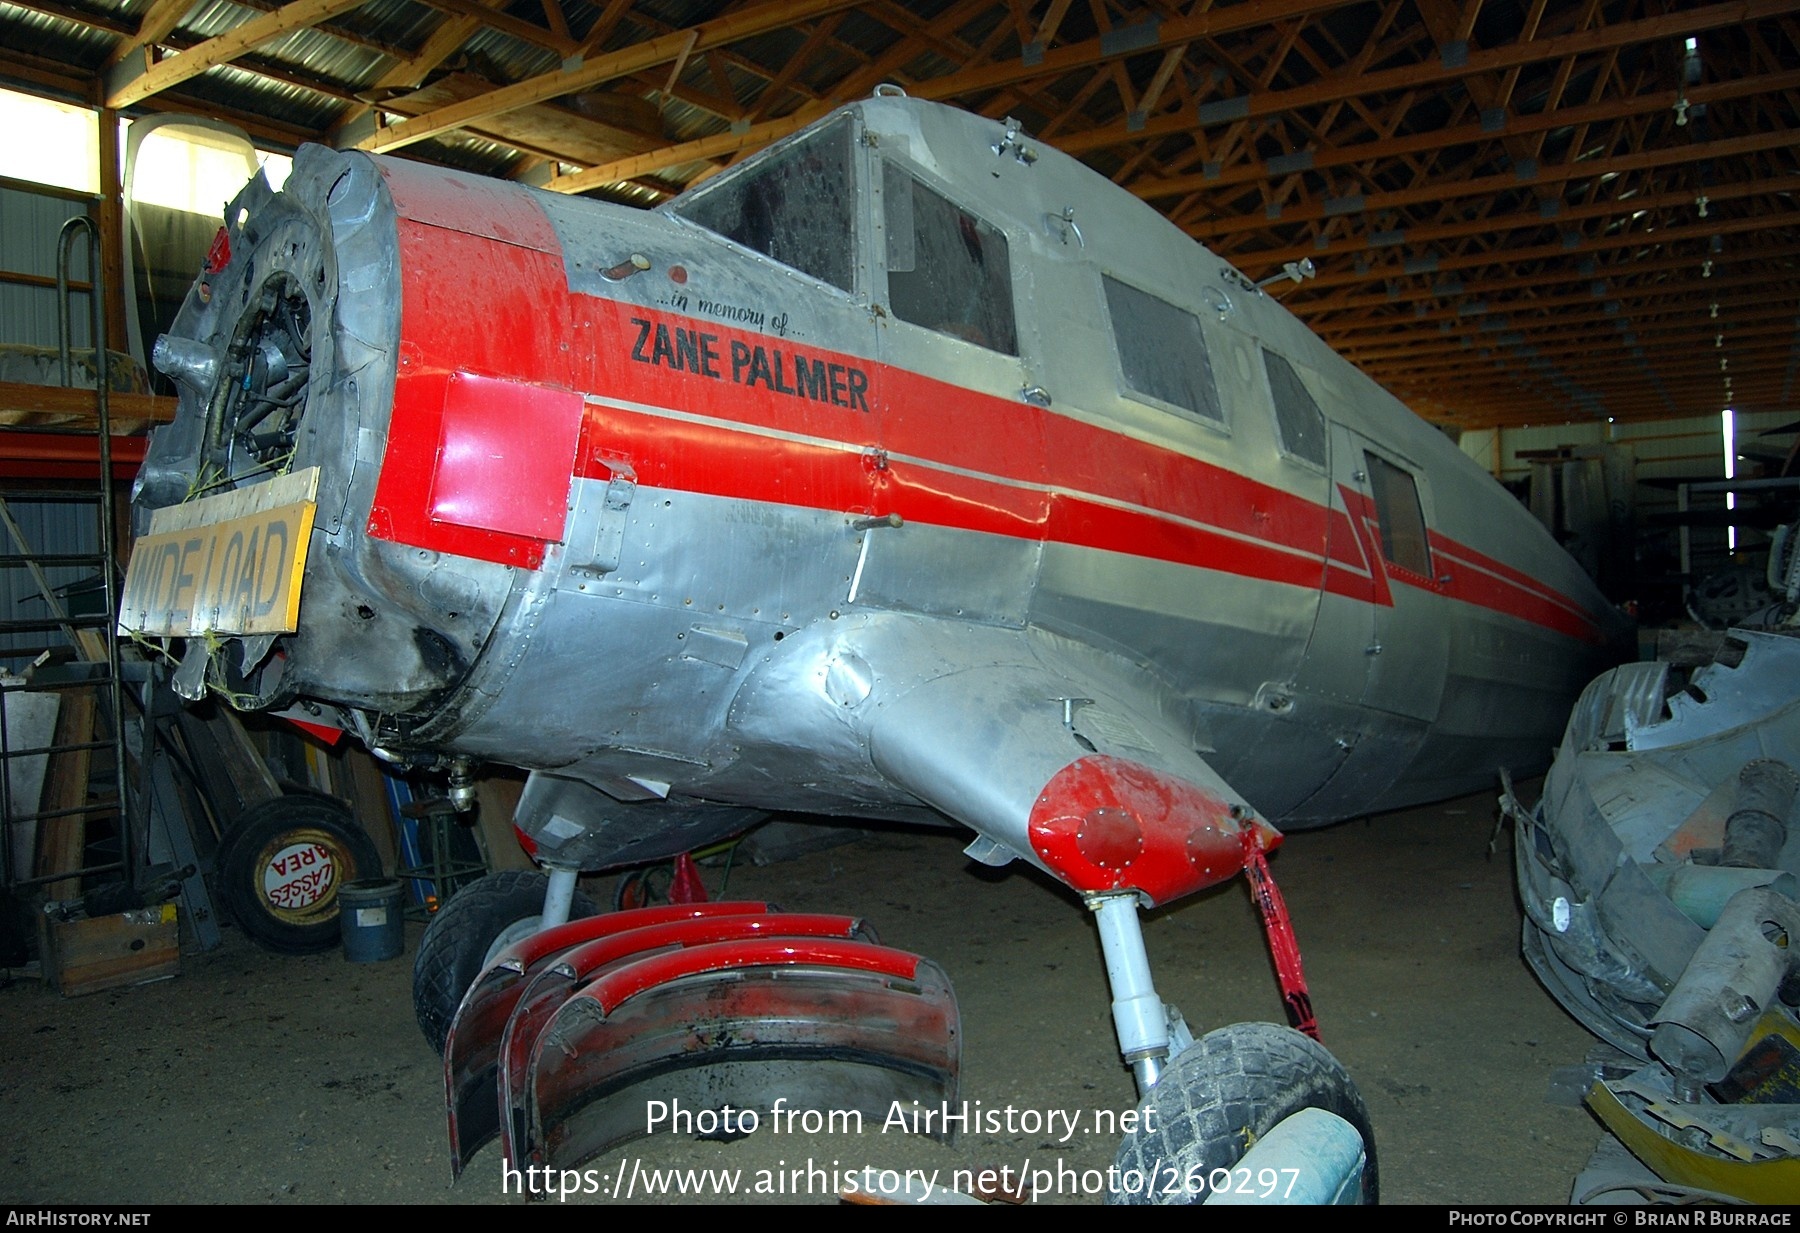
(281, 867)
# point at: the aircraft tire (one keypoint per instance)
(1218, 1097)
(282, 864)
(462, 937)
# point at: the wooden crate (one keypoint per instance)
(107, 952)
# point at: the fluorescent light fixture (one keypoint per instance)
(1728, 432)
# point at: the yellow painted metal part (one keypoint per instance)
(1763, 1181)
(227, 564)
(1774, 1180)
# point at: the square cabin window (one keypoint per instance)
(947, 270)
(1298, 419)
(1403, 539)
(1162, 352)
(794, 206)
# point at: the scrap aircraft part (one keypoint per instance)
(501, 1079)
(1658, 880)
(1747, 1151)
(473, 1042)
(1756, 828)
(1218, 1099)
(491, 1072)
(1731, 596)
(1618, 867)
(1734, 974)
(1312, 1158)
(805, 1022)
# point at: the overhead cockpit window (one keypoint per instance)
(1162, 352)
(1402, 521)
(947, 270)
(795, 206)
(1297, 417)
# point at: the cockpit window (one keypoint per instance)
(796, 206)
(947, 270)
(1162, 353)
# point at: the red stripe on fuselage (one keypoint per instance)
(1037, 474)
(758, 417)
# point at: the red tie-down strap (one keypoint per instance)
(1284, 947)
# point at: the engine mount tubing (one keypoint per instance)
(1139, 1016)
(558, 896)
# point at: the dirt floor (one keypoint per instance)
(257, 1078)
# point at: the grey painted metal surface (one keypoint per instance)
(710, 638)
(908, 470)
(1617, 866)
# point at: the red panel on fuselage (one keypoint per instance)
(481, 441)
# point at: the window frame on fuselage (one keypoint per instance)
(1160, 336)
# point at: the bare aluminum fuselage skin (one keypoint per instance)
(608, 495)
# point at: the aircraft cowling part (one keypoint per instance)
(553, 988)
(820, 1022)
(1701, 1030)
(1105, 824)
(472, 1049)
(286, 355)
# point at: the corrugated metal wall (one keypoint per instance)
(29, 226)
(29, 223)
(49, 526)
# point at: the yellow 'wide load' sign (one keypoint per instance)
(226, 564)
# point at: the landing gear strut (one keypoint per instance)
(1205, 1103)
(1150, 1031)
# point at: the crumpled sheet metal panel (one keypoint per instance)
(825, 1024)
(472, 1050)
(546, 996)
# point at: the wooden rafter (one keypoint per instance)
(1505, 209)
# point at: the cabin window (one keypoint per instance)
(1298, 419)
(947, 270)
(1402, 520)
(1162, 353)
(795, 206)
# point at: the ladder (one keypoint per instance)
(63, 723)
